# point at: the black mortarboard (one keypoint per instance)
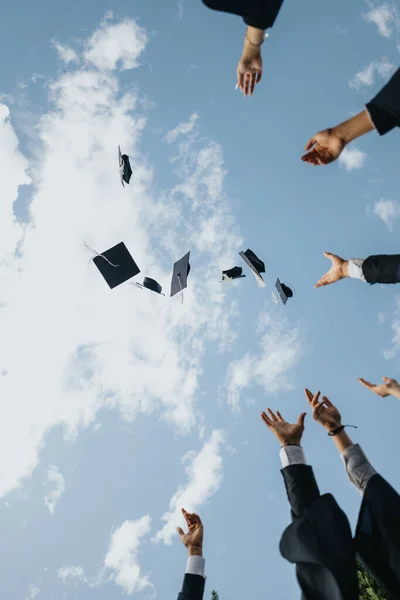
(151, 284)
(116, 265)
(256, 265)
(234, 273)
(284, 291)
(124, 167)
(180, 274)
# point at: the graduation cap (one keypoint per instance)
(284, 291)
(180, 274)
(256, 265)
(234, 273)
(116, 265)
(124, 167)
(151, 284)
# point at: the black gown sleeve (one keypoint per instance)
(256, 13)
(192, 588)
(319, 540)
(385, 107)
(377, 537)
(382, 268)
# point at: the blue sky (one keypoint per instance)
(120, 407)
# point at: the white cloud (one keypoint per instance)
(180, 10)
(366, 77)
(352, 158)
(281, 348)
(56, 479)
(388, 211)
(116, 44)
(34, 592)
(122, 555)
(181, 129)
(391, 352)
(68, 574)
(69, 342)
(204, 471)
(384, 17)
(65, 53)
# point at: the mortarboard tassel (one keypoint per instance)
(180, 285)
(97, 254)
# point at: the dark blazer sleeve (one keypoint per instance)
(382, 268)
(378, 534)
(385, 107)
(319, 540)
(192, 588)
(256, 13)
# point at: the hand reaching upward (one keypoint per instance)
(324, 412)
(286, 433)
(323, 148)
(338, 270)
(390, 387)
(193, 539)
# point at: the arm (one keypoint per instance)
(380, 268)
(194, 580)
(357, 465)
(301, 486)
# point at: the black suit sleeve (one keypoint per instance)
(382, 268)
(319, 540)
(385, 107)
(192, 588)
(256, 13)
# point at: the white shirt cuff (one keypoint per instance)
(196, 566)
(355, 268)
(358, 467)
(292, 455)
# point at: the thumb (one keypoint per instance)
(310, 143)
(180, 531)
(300, 420)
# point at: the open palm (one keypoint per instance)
(286, 433)
(323, 148)
(335, 273)
(383, 389)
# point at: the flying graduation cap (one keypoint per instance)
(180, 275)
(151, 284)
(256, 265)
(284, 291)
(234, 273)
(124, 167)
(116, 265)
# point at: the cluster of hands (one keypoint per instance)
(323, 411)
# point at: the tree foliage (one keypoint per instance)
(214, 595)
(368, 588)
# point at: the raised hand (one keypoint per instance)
(390, 387)
(249, 71)
(286, 433)
(324, 412)
(193, 539)
(323, 148)
(338, 270)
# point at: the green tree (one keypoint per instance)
(214, 595)
(368, 588)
